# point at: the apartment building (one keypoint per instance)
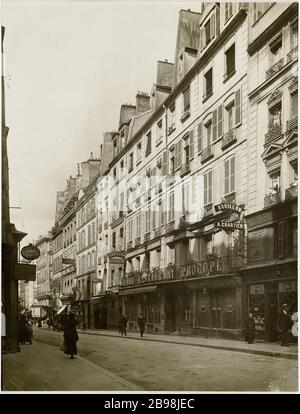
(270, 276)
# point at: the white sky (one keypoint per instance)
(69, 66)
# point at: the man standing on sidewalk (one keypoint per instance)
(141, 323)
(284, 325)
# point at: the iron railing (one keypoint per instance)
(273, 133)
(293, 54)
(271, 199)
(274, 69)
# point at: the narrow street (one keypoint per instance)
(156, 366)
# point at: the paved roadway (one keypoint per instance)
(155, 366)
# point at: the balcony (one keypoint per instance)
(137, 241)
(185, 169)
(291, 192)
(228, 139)
(147, 237)
(208, 210)
(292, 124)
(274, 69)
(183, 221)
(171, 129)
(186, 114)
(170, 226)
(157, 232)
(129, 245)
(212, 266)
(207, 154)
(292, 55)
(207, 95)
(229, 198)
(272, 199)
(273, 133)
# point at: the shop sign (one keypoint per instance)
(205, 268)
(228, 207)
(230, 225)
(257, 289)
(30, 252)
(287, 286)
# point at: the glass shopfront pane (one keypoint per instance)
(256, 305)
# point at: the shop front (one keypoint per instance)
(265, 291)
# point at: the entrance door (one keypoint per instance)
(271, 316)
(216, 311)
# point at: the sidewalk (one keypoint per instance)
(42, 367)
(260, 348)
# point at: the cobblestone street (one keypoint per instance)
(118, 363)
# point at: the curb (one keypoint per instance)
(275, 354)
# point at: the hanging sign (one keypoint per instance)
(30, 252)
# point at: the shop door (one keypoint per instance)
(271, 316)
(216, 311)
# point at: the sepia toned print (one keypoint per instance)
(169, 261)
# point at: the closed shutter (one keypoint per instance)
(205, 189)
(238, 107)
(294, 105)
(165, 160)
(179, 154)
(176, 156)
(232, 174)
(226, 167)
(200, 144)
(202, 38)
(220, 121)
(210, 186)
(214, 124)
(191, 142)
(280, 239)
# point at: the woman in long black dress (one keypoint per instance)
(70, 336)
(250, 329)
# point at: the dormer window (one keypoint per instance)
(186, 104)
(228, 11)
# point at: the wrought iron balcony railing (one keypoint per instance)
(212, 266)
(271, 199)
(185, 169)
(291, 192)
(186, 114)
(274, 69)
(228, 139)
(293, 54)
(208, 210)
(207, 154)
(292, 123)
(273, 133)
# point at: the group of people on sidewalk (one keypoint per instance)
(286, 323)
(141, 321)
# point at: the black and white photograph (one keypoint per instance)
(149, 199)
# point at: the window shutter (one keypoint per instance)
(220, 121)
(214, 124)
(165, 160)
(294, 105)
(191, 139)
(205, 189)
(232, 174)
(238, 107)
(200, 137)
(202, 38)
(213, 26)
(226, 166)
(176, 157)
(226, 12)
(210, 186)
(280, 239)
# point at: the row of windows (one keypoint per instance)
(86, 211)
(86, 238)
(86, 262)
(69, 234)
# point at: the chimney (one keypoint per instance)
(142, 102)
(164, 73)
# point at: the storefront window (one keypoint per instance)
(257, 306)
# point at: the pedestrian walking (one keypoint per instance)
(124, 322)
(24, 334)
(285, 323)
(70, 336)
(250, 329)
(141, 323)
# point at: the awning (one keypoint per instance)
(61, 309)
(133, 291)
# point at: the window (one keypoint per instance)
(186, 148)
(121, 168)
(115, 174)
(275, 50)
(130, 162)
(275, 115)
(130, 230)
(185, 199)
(229, 175)
(148, 148)
(229, 117)
(122, 138)
(171, 211)
(154, 217)
(259, 9)
(294, 104)
(138, 224)
(186, 100)
(115, 147)
(172, 119)
(172, 161)
(148, 215)
(208, 132)
(121, 232)
(228, 11)
(207, 33)
(114, 240)
(208, 187)
(294, 34)
(139, 152)
(230, 61)
(112, 278)
(208, 88)
(159, 132)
